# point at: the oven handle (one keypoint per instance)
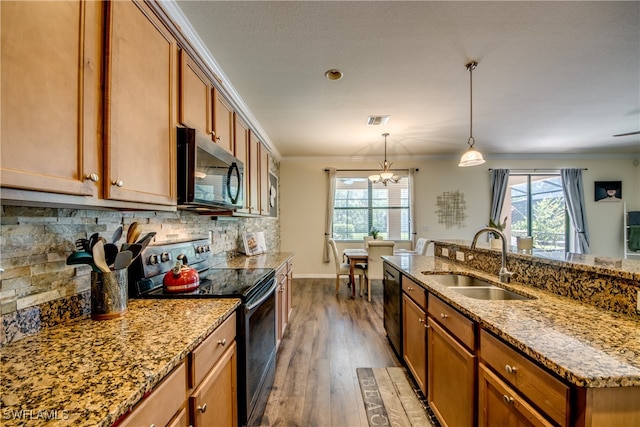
(264, 298)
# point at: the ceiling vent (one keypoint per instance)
(378, 120)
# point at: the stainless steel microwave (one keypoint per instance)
(208, 175)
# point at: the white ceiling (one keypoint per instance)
(552, 77)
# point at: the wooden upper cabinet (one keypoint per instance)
(195, 95)
(265, 207)
(241, 145)
(50, 90)
(140, 106)
(223, 121)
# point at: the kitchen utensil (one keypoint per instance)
(181, 278)
(134, 232)
(116, 235)
(99, 257)
(110, 253)
(123, 259)
(82, 244)
(146, 239)
(135, 250)
(82, 257)
(92, 240)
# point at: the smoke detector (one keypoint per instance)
(378, 120)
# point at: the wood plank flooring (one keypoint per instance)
(328, 337)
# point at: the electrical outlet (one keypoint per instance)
(445, 252)
(460, 255)
(425, 228)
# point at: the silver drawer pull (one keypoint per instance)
(507, 400)
(222, 342)
(510, 369)
(202, 408)
(444, 316)
(92, 177)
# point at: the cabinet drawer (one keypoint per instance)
(210, 350)
(456, 323)
(415, 291)
(162, 404)
(533, 382)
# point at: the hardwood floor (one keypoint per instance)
(328, 337)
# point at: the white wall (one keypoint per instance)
(303, 192)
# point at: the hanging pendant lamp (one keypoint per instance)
(385, 176)
(472, 157)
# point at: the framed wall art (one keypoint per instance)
(608, 191)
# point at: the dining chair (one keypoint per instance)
(367, 239)
(343, 268)
(421, 246)
(377, 248)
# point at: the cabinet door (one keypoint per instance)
(195, 95)
(289, 288)
(415, 340)
(499, 405)
(50, 90)
(264, 181)
(254, 178)
(140, 104)
(450, 378)
(223, 118)
(213, 403)
(241, 146)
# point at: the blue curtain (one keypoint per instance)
(499, 184)
(574, 198)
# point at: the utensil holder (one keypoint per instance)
(109, 294)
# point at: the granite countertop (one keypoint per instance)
(90, 372)
(587, 346)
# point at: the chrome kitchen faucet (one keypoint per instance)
(505, 275)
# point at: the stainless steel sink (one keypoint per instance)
(473, 287)
(454, 280)
(493, 293)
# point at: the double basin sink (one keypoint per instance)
(473, 287)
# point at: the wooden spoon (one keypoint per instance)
(134, 232)
(99, 257)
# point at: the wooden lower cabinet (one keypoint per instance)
(214, 402)
(163, 404)
(414, 338)
(499, 405)
(451, 378)
(284, 277)
(181, 419)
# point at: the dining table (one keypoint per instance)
(360, 256)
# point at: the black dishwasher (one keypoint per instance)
(392, 308)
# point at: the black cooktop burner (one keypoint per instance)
(223, 282)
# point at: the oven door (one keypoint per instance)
(260, 356)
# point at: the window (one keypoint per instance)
(360, 205)
(537, 208)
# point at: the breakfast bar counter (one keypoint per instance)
(90, 373)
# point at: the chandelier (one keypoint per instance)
(471, 157)
(385, 176)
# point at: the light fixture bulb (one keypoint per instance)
(386, 175)
(374, 178)
(471, 157)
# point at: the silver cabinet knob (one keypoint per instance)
(510, 369)
(92, 177)
(506, 399)
(443, 316)
(222, 342)
(202, 408)
(117, 183)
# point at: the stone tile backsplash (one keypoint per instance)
(38, 289)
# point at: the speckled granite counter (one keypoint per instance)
(587, 346)
(89, 373)
(266, 260)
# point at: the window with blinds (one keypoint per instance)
(360, 205)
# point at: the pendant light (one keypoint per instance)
(384, 176)
(472, 157)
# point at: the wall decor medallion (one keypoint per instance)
(451, 209)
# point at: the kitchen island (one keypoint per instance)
(589, 348)
(91, 373)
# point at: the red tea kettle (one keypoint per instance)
(181, 278)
